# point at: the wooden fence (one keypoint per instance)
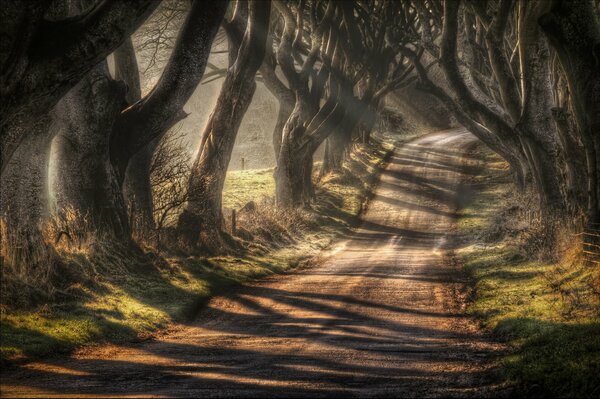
(590, 238)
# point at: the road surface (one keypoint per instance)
(381, 316)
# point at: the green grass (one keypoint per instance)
(547, 312)
(243, 186)
(128, 297)
(130, 305)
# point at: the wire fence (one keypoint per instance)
(590, 238)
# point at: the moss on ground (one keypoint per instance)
(127, 298)
(547, 311)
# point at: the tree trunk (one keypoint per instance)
(201, 222)
(202, 219)
(85, 183)
(162, 108)
(536, 125)
(286, 106)
(137, 193)
(42, 60)
(137, 190)
(24, 206)
(336, 148)
(573, 30)
(575, 164)
(293, 176)
(285, 96)
(368, 123)
(338, 143)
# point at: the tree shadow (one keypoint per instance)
(184, 366)
(558, 359)
(333, 345)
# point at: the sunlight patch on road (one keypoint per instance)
(55, 369)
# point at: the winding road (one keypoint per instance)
(382, 315)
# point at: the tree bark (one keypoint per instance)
(162, 108)
(201, 222)
(85, 182)
(47, 58)
(336, 147)
(573, 30)
(309, 124)
(285, 99)
(24, 206)
(575, 161)
(137, 190)
(494, 39)
(536, 125)
(293, 175)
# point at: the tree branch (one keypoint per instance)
(139, 124)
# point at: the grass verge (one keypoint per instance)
(547, 311)
(123, 297)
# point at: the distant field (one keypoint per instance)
(242, 186)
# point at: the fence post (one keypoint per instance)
(233, 222)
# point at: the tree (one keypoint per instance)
(374, 69)
(89, 120)
(140, 127)
(201, 221)
(498, 82)
(43, 58)
(44, 54)
(310, 123)
(573, 30)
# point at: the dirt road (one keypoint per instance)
(382, 316)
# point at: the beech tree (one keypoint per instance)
(140, 126)
(45, 52)
(499, 82)
(128, 132)
(375, 68)
(43, 56)
(522, 76)
(201, 221)
(96, 141)
(310, 122)
(573, 30)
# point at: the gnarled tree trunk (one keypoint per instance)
(338, 143)
(536, 125)
(139, 129)
(293, 184)
(24, 206)
(201, 222)
(41, 60)
(136, 186)
(573, 30)
(85, 182)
